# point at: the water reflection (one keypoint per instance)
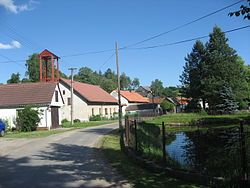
(213, 152)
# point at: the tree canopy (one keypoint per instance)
(15, 78)
(213, 69)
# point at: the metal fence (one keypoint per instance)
(213, 152)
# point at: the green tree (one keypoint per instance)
(15, 78)
(192, 75)
(28, 119)
(172, 91)
(32, 65)
(167, 106)
(244, 11)
(135, 83)
(109, 74)
(226, 103)
(108, 85)
(222, 67)
(157, 88)
(125, 82)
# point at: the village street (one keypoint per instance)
(71, 159)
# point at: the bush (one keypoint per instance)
(95, 118)
(77, 120)
(167, 106)
(27, 119)
(64, 121)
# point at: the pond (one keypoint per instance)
(213, 152)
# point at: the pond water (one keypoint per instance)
(214, 152)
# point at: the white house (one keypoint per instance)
(88, 100)
(44, 96)
(129, 98)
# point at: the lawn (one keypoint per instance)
(135, 174)
(194, 118)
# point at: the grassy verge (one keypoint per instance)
(35, 134)
(138, 176)
(87, 124)
(40, 134)
(195, 118)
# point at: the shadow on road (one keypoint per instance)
(59, 166)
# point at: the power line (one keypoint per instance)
(183, 25)
(12, 61)
(106, 61)
(186, 40)
(87, 53)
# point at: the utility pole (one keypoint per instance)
(72, 95)
(119, 87)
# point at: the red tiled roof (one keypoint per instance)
(156, 100)
(15, 95)
(133, 96)
(91, 93)
(183, 100)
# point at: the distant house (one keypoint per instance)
(175, 102)
(129, 98)
(156, 100)
(144, 109)
(145, 91)
(45, 97)
(89, 100)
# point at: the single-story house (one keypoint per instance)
(88, 100)
(129, 98)
(44, 96)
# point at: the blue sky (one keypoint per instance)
(77, 26)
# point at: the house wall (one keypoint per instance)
(100, 110)
(10, 116)
(81, 110)
(124, 101)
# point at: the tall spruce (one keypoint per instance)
(221, 68)
(226, 103)
(192, 75)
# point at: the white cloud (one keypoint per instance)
(13, 44)
(12, 7)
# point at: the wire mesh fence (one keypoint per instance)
(212, 152)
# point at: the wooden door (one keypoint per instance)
(54, 117)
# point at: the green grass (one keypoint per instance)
(192, 118)
(87, 124)
(135, 174)
(35, 134)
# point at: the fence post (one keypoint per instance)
(136, 139)
(163, 143)
(243, 154)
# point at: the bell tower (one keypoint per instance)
(49, 67)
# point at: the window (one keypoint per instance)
(93, 111)
(114, 110)
(100, 111)
(106, 111)
(69, 101)
(63, 92)
(56, 96)
(110, 111)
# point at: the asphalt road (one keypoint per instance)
(71, 159)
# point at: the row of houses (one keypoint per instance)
(52, 97)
